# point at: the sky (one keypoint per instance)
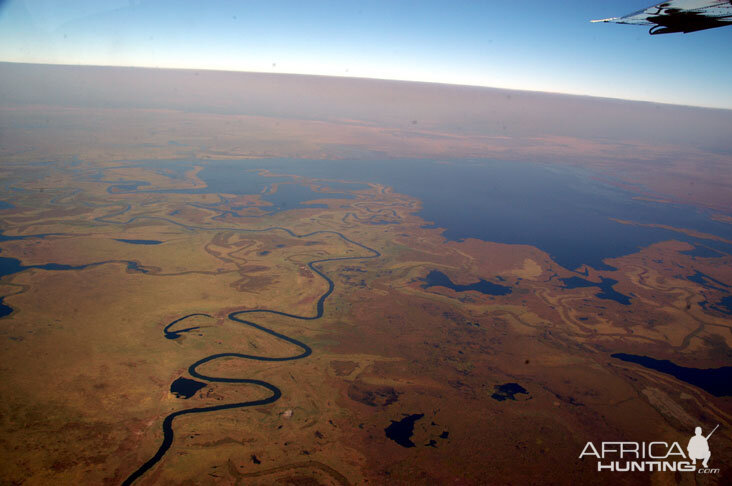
(527, 45)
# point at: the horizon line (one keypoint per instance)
(346, 77)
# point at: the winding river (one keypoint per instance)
(239, 316)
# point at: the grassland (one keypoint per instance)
(88, 369)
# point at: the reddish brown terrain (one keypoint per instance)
(499, 388)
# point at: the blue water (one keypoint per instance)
(717, 381)
(139, 242)
(561, 210)
(508, 391)
(436, 278)
(707, 282)
(4, 237)
(702, 252)
(4, 308)
(236, 178)
(605, 285)
(10, 266)
(185, 388)
(724, 305)
(401, 431)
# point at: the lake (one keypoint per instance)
(565, 211)
(717, 381)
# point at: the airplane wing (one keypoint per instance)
(680, 16)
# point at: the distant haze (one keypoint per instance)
(529, 45)
(116, 113)
(456, 109)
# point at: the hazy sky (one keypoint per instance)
(535, 45)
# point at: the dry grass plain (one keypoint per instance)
(87, 368)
